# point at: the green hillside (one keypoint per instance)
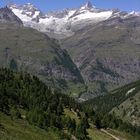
(123, 102)
(25, 99)
(19, 129)
(107, 54)
(26, 49)
(118, 110)
(129, 110)
(107, 102)
(30, 109)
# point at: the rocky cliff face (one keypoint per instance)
(6, 15)
(60, 24)
(104, 45)
(107, 54)
(65, 23)
(26, 49)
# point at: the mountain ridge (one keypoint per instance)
(64, 23)
(91, 30)
(106, 54)
(34, 52)
(6, 15)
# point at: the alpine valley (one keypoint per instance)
(69, 75)
(104, 59)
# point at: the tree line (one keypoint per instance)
(44, 106)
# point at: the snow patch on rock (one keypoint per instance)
(130, 91)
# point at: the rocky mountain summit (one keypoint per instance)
(104, 45)
(62, 24)
(6, 15)
(107, 54)
(26, 49)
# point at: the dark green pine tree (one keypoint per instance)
(4, 107)
(84, 122)
(73, 126)
(13, 65)
(81, 132)
(98, 123)
(60, 109)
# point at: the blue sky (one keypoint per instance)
(49, 5)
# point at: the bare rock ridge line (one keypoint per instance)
(103, 60)
(62, 24)
(6, 15)
(26, 49)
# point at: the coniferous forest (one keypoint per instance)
(44, 107)
(71, 74)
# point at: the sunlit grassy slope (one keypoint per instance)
(94, 133)
(21, 130)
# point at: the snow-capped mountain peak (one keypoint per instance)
(26, 7)
(66, 22)
(63, 23)
(29, 6)
(26, 12)
(6, 15)
(134, 13)
(87, 6)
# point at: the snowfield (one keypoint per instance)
(64, 22)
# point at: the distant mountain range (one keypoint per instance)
(107, 54)
(86, 53)
(97, 50)
(26, 49)
(62, 24)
